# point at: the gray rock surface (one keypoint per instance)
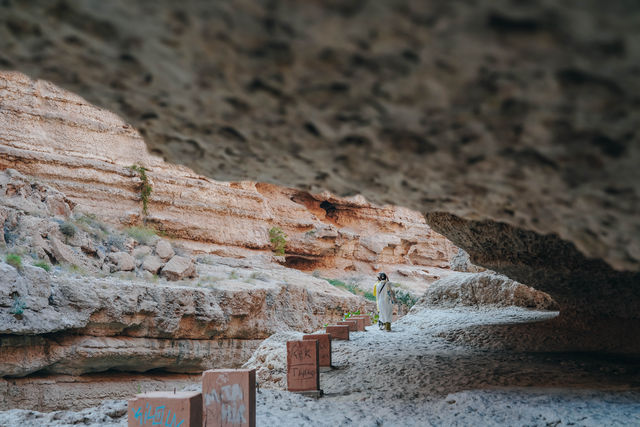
(164, 250)
(482, 289)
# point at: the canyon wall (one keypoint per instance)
(87, 153)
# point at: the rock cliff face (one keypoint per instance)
(524, 113)
(87, 154)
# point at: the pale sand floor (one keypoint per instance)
(412, 376)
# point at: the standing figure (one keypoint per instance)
(385, 298)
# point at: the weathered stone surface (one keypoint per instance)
(56, 392)
(119, 324)
(123, 261)
(164, 250)
(517, 112)
(591, 295)
(178, 268)
(480, 289)
(152, 264)
(76, 355)
(461, 262)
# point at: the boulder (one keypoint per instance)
(123, 261)
(141, 251)
(152, 264)
(179, 268)
(164, 250)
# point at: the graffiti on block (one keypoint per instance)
(231, 399)
(156, 416)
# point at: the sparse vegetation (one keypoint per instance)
(405, 298)
(145, 188)
(18, 306)
(90, 224)
(142, 235)
(68, 230)
(116, 240)
(350, 314)
(278, 240)
(233, 275)
(43, 265)
(14, 259)
(351, 288)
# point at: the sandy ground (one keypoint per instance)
(412, 376)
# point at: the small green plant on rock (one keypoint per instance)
(350, 314)
(43, 265)
(142, 235)
(18, 306)
(145, 188)
(68, 230)
(350, 287)
(405, 298)
(278, 240)
(14, 260)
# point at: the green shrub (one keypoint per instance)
(278, 240)
(90, 224)
(68, 229)
(405, 298)
(145, 188)
(14, 260)
(18, 306)
(43, 265)
(350, 287)
(142, 235)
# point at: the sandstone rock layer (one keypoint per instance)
(87, 154)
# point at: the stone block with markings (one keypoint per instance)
(165, 408)
(324, 347)
(338, 332)
(352, 324)
(229, 397)
(303, 369)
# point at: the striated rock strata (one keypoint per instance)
(86, 153)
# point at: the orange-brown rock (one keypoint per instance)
(87, 152)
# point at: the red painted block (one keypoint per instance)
(229, 397)
(352, 324)
(324, 347)
(181, 409)
(366, 317)
(303, 369)
(338, 332)
(360, 324)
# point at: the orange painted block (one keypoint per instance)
(229, 397)
(164, 408)
(338, 332)
(352, 324)
(303, 369)
(324, 347)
